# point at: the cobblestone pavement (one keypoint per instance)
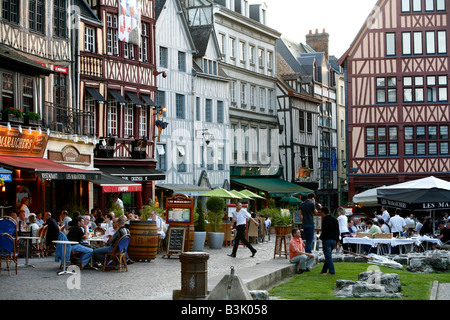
(153, 280)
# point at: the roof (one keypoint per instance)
(12, 60)
(201, 36)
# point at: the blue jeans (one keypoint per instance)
(100, 253)
(309, 236)
(86, 253)
(328, 246)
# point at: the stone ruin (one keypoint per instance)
(370, 284)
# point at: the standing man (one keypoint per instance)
(240, 216)
(117, 202)
(307, 211)
(297, 254)
(385, 214)
(329, 237)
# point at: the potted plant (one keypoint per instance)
(32, 118)
(199, 227)
(281, 222)
(215, 206)
(12, 115)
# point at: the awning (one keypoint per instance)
(112, 184)
(135, 173)
(116, 95)
(134, 98)
(148, 101)
(48, 169)
(275, 187)
(96, 95)
(9, 58)
(188, 190)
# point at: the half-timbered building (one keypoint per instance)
(44, 141)
(397, 94)
(118, 73)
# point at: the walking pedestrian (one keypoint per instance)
(240, 216)
(329, 237)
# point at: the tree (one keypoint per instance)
(215, 206)
(200, 217)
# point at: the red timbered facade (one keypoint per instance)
(397, 73)
(118, 83)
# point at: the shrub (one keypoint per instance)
(215, 206)
(199, 224)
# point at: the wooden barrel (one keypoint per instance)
(189, 240)
(143, 241)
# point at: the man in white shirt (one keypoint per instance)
(397, 223)
(385, 214)
(240, 216)
(118, 202)
(159, 224)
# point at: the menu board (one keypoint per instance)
(175, 242)
(179, 215)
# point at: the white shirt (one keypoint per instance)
(397, 223)
(385, 228)
(385, 216)
(241, 216)
(343, 223)
(120, 203)
(159, 225)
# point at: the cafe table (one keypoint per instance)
(28, 239)
(65, 243)
(375, 242)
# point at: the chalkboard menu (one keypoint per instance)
(175, 242)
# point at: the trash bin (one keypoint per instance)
(194, 275)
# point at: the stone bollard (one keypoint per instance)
(194, 275)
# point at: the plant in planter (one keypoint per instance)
(215, 206)
(32, 118)
(199, 227)
(12, 114)
(282, 223)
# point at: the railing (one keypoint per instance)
(68, 120)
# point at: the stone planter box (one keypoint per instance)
(8, 117)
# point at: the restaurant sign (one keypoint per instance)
(68, 175)
(13, 142)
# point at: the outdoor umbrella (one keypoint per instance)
(251, 194)
(420, 199)
(221, 193)
(367, 198)
(291, 201)
(239, 194)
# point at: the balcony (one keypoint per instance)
(64, 119)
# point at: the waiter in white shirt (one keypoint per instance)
(240, 216)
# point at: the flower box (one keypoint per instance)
(8, 117)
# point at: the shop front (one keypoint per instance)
(48, 185)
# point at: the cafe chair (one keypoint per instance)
(99, 231)
(119, 255)
(7, 251)
(38, 246)
(8, 225)
(75, 258)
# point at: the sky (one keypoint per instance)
(342, 19)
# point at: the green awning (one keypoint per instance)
(275, 187)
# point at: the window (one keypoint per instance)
(7, 90)
(381, 141)
(145, 42)
(406, 43)
(112, 40)
(243, 95)
(433, 88)
(128, 123)
(386, 90)
(442, 42)
(160, 100)
(181, 61)
(161, 164)
(222, 43)
(406, 7)
(113, 117)
(36, 15)
(270, 60)
(252, 55)
(10, 10)
(440, 5)
(28, 105)
(309, 122)
(143, 121)
(208, 110)
(232, 48)
(89, 39)
(60, 89)
(220, 112)
(261, 58)
(163, 57)
(262, 98)
(59, 18)
(424, 140)
(242, 51)
(418, 45)
(253, 96)
(417, 5)
(431, 43)
(89, 118)
(180, 106)
(198, 114)
(233, 92)
(301, 121)
(390, 44)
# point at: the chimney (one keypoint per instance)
(318, 41)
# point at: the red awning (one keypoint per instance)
(111, 184)
(48, 169)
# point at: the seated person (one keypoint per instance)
(159, 224)
(297, 254)
(100, 253)
(78, 233)
(372, 228)
(444, 235)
